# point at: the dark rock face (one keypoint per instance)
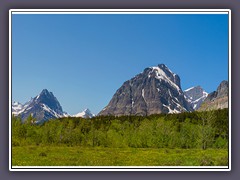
(155, 90)
(50, 100)
(43, 107)
(222, 89)
(217, 99)
(195, 96)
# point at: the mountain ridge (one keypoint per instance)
(43, 107)
(217, 99)
(195, 96)
(156, 90)
(86, 113)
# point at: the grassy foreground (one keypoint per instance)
(79, 156)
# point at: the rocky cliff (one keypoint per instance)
(155, 90)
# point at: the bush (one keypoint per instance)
(220, 143)
(43, 154)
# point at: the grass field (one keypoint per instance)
(79, 156)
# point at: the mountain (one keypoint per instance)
(17, 108)
(217, 99)
(84, 114)
(155, 90)
(195, 96)
(42, 107)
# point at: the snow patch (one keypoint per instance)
(86, 113)
(194, 106)
(170, 110)
(46, 108)
(169, 92)
(195, 96)
(160, 74)
(189, 89)
(143, 93)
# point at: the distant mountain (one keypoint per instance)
(16, 108)
(43, 107)
(195, 96)
(217, 99)
(155, 90)
(84, 114)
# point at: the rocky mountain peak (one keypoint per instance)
(47, 98)
(86, 113)
(164, 73)
(16, 107)
(155, 90)
(222, 89)
(44, 91)
(195, 96)
(217, 99)
(42, 107)
(87, 110)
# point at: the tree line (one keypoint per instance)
(208, 129)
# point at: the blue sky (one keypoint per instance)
(84, 59)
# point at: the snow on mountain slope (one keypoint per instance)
(155, 90)
(160, 74)
(43, 107)
(17, 108)
(195, 96)
(84, 114)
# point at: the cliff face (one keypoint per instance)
(217, 99)
(43, 107)
(155, 90)
(195, 96)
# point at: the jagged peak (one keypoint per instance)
(86, 110)
(195, 96)
(16, 103)
(222, 89)
(86, 113)
(164, 73)
(44, 106)
(194, 88)
(223, 83)
(45, 92)
(162, 66)
(155, 90)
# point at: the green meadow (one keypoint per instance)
(78, 156)
(186, 139)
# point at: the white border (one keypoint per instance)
(113, 168)
(117, 11)
(230, 85)
(10, 90)
(120, 11)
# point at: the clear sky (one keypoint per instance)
(84, 59)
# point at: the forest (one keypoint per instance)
(188, 130)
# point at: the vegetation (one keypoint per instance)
(99, 156)
(157, 138)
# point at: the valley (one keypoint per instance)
(150, 121)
